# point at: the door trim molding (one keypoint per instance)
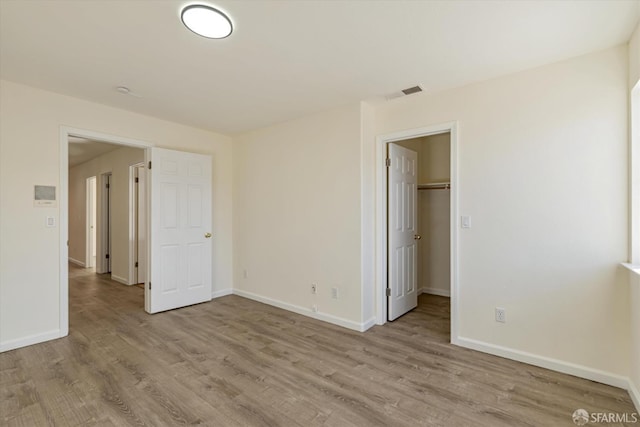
(65, 133)
(133, 223)
(381, 217)
(103, 221)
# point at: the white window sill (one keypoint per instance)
(635, 268)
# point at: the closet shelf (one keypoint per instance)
(435, 186)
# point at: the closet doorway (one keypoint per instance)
(420, 263)
(421, 206)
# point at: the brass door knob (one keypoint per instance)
(207, 235)
(417, 237)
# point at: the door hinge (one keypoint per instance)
(136, 265)
(387, 162)
(149, 285)
(149, 164)
(107, 256)
(388, 292)
(137, 180)
(107, 185)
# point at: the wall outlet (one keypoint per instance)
(501, 315)
(314, 308)
(334, 293)
(245, 273)
(314, 288)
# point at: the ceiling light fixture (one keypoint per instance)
(126, 91)
(206, 21)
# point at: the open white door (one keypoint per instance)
(91, 221)
(402, 229)
(180, 230)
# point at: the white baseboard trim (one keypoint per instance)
(120, 279)
(435, 291)
(221, 293)
(546, 362)
(368, 324)
(76, 262)
(30, 340)
(635, 394)
(360, 327)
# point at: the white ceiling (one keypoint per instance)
(287, 59)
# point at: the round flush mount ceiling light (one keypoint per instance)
(206, 21)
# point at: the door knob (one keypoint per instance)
(207, 235)
(417, 237)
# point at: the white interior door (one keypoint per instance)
(91, 221)
(402, 229)
(180, 229)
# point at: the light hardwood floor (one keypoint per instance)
(236, 362)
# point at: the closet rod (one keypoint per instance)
(434, 187)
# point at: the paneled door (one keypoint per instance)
(402, 231)
(180, 230)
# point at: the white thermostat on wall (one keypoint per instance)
(44, 196)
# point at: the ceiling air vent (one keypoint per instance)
(404, 92)
(412, 90)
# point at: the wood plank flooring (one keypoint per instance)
(236, 362)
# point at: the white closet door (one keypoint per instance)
(402, 229)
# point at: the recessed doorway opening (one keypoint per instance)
(177, 205)
(417, 228)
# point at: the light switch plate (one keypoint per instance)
(51, 221)
(465, 221)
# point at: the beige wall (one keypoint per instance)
(297, 214)
(543, 175)
(634, 58)
(29, 154)
(117, 162)
(434, 248)
(437, 161)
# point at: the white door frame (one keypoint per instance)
(134, 252)
(92, 205)
(103, 264)
(65, 133)
(133, 225)
(381, 217)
